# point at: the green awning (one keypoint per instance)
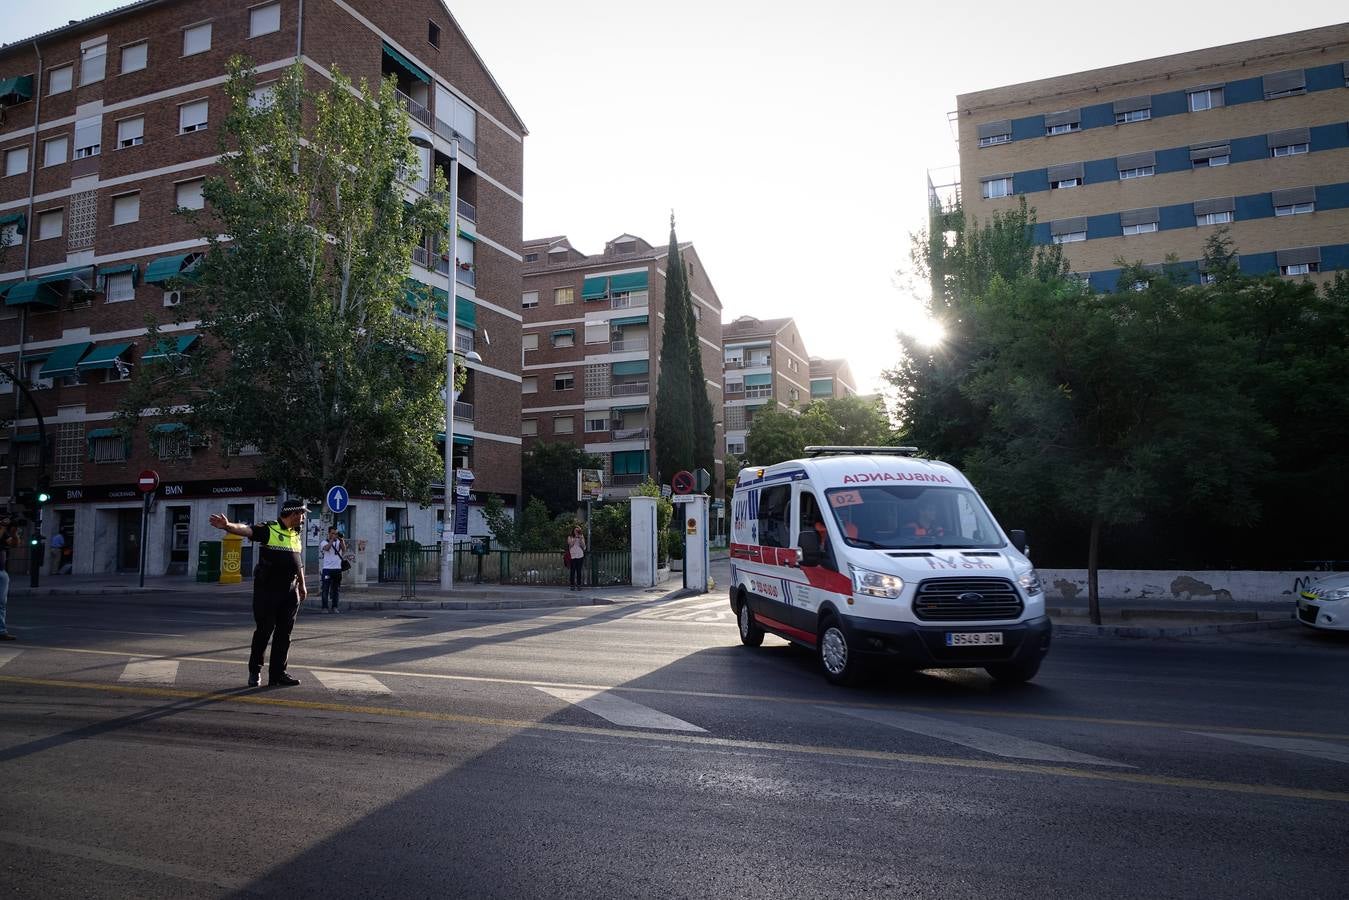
(471, 238)
(595, 288)
(466, 313)
(31, 437)
(119, 269)
(32, 292)
(628, 320)
(176, 346)
(169, 427)
(15, 219)
(632, 367)
(101, 433)
(16, 89)
(628, 281)
(166, 267)
(561, 332)
(104, 357)
(408, 65)
(64, 359)
(758, 379)
(625, 409)
(458, 438)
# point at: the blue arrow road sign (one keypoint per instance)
(337, 498)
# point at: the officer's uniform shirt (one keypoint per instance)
(279, 563)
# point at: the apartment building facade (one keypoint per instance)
(111, 123)
(831, 379)
(765, 366)
(1146, 159)
(593, 326)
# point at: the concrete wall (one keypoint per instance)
(1065, 585)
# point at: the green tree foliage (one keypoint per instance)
(777, 435)
(310, 351)
(704, 428)
(664, 513)
(548, 474)
(611, 526)
(675, 450)
(500, 523)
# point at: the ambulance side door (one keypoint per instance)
(767, 591)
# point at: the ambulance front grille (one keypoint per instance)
(967, 600)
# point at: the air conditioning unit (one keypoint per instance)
(173, 298)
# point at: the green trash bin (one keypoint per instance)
(208, 561)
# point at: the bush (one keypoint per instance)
(500, 523)
(611, 526)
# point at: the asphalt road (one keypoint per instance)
(638, 750)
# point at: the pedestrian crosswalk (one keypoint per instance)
(350, 682)
(619, 710)
(697, 611)
(150, 671)
(1302, 746)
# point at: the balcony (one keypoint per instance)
(759, 391)
(444, 130)
(629, 389)
(463, 410)
(628, 480)
(442, 265)
(626, 344)
(463, 342)
(466, 275)
(631, 434)
(421, 257)
(754, 361)
(415, 109)
(732, 392)
(628, 301)
(467, 210)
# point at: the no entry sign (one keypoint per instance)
(147, 481)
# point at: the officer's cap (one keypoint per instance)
(293, 505)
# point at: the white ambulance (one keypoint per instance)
(870, 553)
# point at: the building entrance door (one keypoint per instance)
(128, 540)
(180, 522)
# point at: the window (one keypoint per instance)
(1064, 183)
(529, 342)
(529, 428)
(735, 447)
(16, 161)
(563, 424)
(119, 287)
(93, 63)
(1063, 128)
(774, 516)
(1136, 172)
(264, 20)
(594, 424)
(61, 79)
(1290, 149)
(1133, 115)
(531, 257)
(192, 117)
(1207, 278)
(597, 333)
(1214, 218)
(1212, 161)
(994, 188)
(134, 57)
(735, 387)
(189, 194)
(433, 34)
(262, 97)
(108, 449)
(529, 384)
(130, 132)
(1284, 84)
(33, 375)
(50, 224)
(1294, 209)
(126, 208)
(10, 236)
(55, 150)
(992, 139)
(563, 381)
(564, 296)
(197, 39)
(1300, 268)
(88, 137)
(173, 445)
(1205, 98)
(1070, 237)
(563, 339)
(529, 299)
(1140, 228)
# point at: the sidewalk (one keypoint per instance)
(1158, 618)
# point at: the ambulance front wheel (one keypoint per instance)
(840, 664)
(751, 635)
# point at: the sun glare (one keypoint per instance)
(928, 332)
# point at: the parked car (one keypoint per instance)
(1325, 603)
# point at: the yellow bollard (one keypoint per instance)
(231, 558)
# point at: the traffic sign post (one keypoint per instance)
(337, 499)
(147, 482)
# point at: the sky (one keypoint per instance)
(791, 139)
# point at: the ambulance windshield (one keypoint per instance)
(897, 517)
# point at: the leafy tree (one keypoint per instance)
(777, 435)
(704, 429)
(500, 522)
(774, 436)
(675, 450)
(611, 526)
(548, 474)
(664, 513)
(310, 351)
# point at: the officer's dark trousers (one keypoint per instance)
(274, 612)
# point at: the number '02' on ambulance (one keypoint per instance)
(868, 553)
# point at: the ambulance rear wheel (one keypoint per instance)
(751, 635)
(840, 664)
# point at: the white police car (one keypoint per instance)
(1325, 603)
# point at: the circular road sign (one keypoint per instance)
(147, 481)
(337, 498)
(682, 482)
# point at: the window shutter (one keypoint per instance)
(1139, 216)
(994, 129)
(1298, 255)
(987, 178)
(1068, 226)
(1295, 195)
(1136, 160)
(1216, 205)
(1291, 136)
(1065, 117)
(1132, 104)
(1281, 82)
(1060, 173)
(1209, 151)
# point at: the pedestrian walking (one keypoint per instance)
(7, 539)
(58, 548)
(576, 553)
(334, 551)
(278, 587)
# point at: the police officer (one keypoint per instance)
(278, 586)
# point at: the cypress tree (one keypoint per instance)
(704, 432)
(674, 403)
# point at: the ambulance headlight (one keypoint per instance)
(876, 584)
(1327, 594)
(1030, 582)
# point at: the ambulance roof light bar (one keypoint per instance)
(860, 451)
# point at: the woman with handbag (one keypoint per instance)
(576, 554)
(334, 551)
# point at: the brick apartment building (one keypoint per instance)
(112, 122)
(592, 337)
(831, 379)
(1145, 159)
(764, 364)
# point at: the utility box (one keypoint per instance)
(208, 561)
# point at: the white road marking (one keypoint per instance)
(982, 739)
(1319, 749)
(150, 671)
(7, 654)
(350, 681)
(618, 710)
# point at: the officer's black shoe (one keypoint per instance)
(282, 680)
(254, 679)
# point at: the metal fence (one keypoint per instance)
(420, 564)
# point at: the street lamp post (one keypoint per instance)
(424, 140)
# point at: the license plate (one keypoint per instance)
(973, 638)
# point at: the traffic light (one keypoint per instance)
(44, 492)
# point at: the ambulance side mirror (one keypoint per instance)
(808, 548)
(1018, 539)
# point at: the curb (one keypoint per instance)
(1160, 631)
